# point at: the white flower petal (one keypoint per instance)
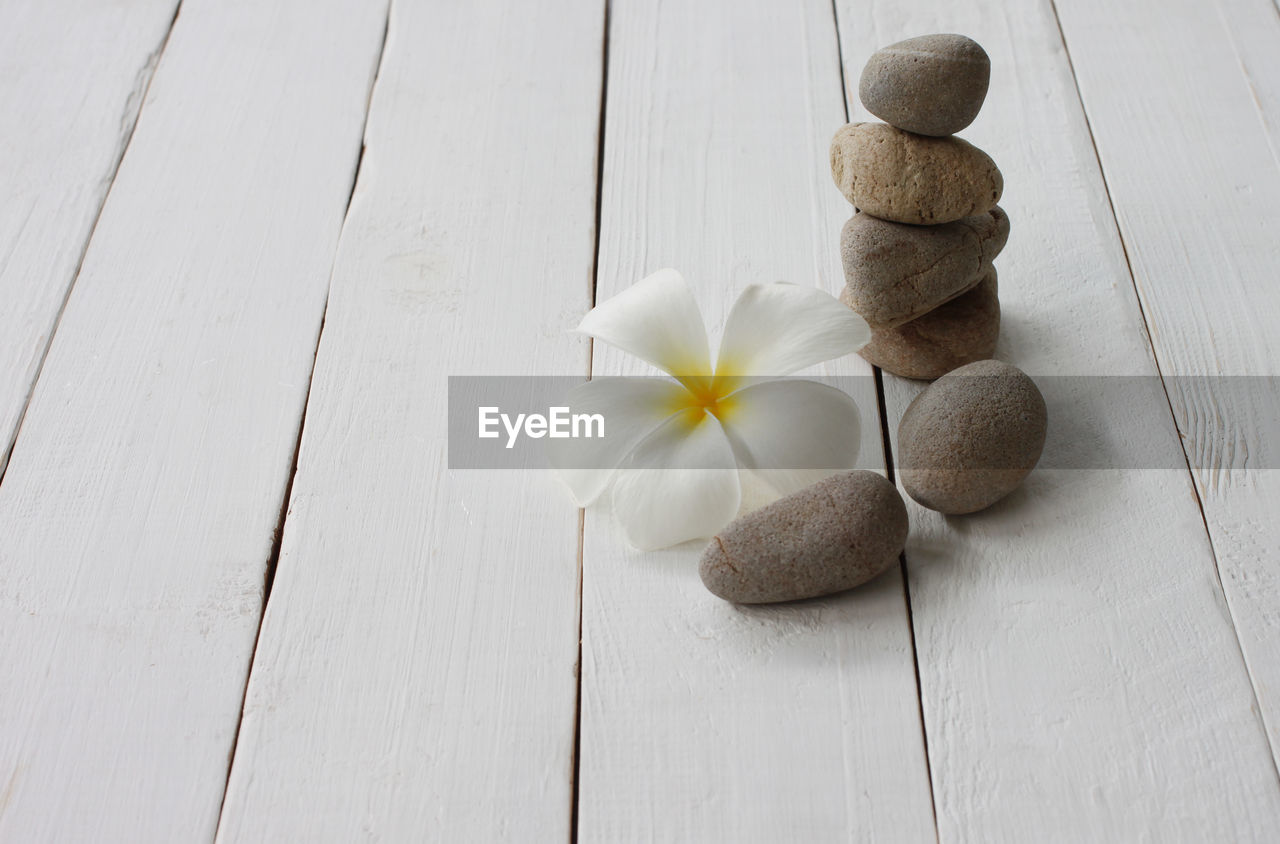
(695, 495)
(776, 329)
(631, 408)
(758, 490)
(655, 319)
(792, 433)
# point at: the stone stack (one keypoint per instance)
(918, 251)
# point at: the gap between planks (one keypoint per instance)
(145, 74)
(887, 444)
(576, 772)
(277, 536)
(1164, 386)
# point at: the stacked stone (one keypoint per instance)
(918, 251)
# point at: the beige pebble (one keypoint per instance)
(897, 272)
(961, 331)
(931, 85)
(971, 438)
(906, 178)
(828, 537)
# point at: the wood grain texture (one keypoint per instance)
(1200, 220)
(415, 676)
(702, 721)
(72, 76)
(1079, 671)
(141, 497)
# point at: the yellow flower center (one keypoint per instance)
(708, 393)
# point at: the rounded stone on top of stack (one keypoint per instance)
(896, 272)
(959, 332)
(907, 178)
(931, 85)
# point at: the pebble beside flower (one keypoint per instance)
(673, 448)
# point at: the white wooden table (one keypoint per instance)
(243, 596)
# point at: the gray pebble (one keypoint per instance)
(828, 537)
(961, 331)
(895, 175)
(897, 272)
(931, 85)
(970, 438)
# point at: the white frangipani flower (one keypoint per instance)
(673, 448)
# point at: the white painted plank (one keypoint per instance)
(415, 676)
(1080, 676)
(72, 76)
(702, 721)
(1200, 219)
(140, 501)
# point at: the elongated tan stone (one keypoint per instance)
(961, 331)
(895, 175)
(896, 272)
(831, 536)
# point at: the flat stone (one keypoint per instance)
(896, 272)
(906, 178)
(961, 331)
(828, 537)
(930, 85)
(971, 438)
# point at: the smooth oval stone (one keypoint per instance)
(828, 537)
(896, 272)
(895, 175)
(930, 85)
(970, 438)
(961, 331)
